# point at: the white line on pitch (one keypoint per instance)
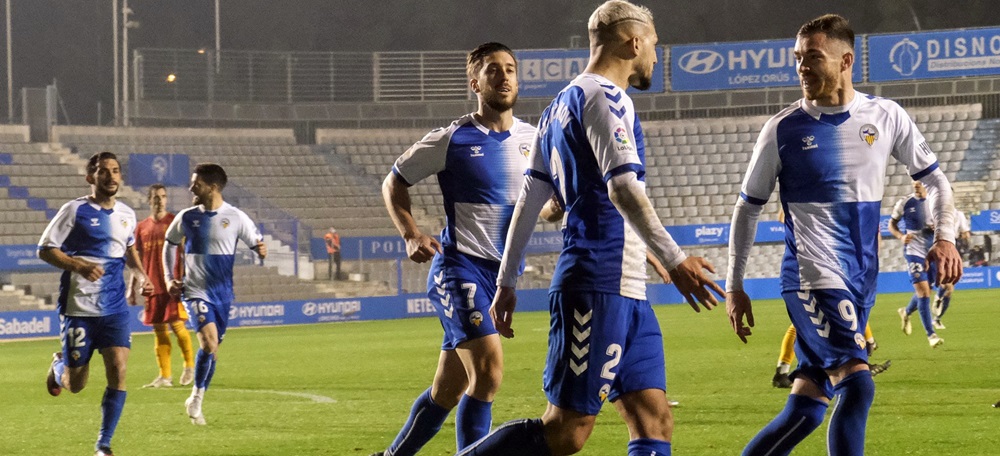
(312, 397)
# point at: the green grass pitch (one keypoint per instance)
(931, 402)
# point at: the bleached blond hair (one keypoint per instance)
(614, 12)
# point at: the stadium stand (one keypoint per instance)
(694, 172)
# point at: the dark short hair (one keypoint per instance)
(95, 161)
(153, 188)
(476, 57)
(832, 25)
(212, 174)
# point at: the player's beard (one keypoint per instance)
(641, 82)
(498, 104)
(104, 191)
(823, 86)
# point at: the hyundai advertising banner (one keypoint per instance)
(45, 323)
(928, 55)
(740, 65)
(543, 73)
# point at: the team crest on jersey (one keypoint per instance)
(869, 133)
(809, 143)
(75, 354)
(605, 391)
(476, 318)
(860, 340)
(525, 149)
(225, 223)
(621, 136)
(477, 151)
(124, 223)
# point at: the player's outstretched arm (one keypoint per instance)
(737, 307)
(687, 274)
(502, 310)
(396, 195)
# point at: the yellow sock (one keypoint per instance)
(184, 342)
(869, 336)
(787, 354)
(162, 349)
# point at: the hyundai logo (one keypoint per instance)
(700, 61)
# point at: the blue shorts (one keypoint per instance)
(462, 292)
(600, 347)
(829, 331)
(80, 336)
(203, 312)
(920, 273)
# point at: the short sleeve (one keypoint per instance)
(897, 210)
(249, 233)
(611, 137)
(764, 166)
(909, 145)
(59, 227)
(175, 232)
(424, 158)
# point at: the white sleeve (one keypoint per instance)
(534, 193)
(897, 210)
(758, 184)
(169, 261)
(942, 203)
(909, 145)
(629, 196)
(742, 232)
(961, 223)
(249, 233)
(764, 166)
(613, 142)
(426, 157)
(175, 232)
(59, 227)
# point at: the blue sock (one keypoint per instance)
(912, 306)
(202, 368)
(648, 447)
(211, 371)
(423, 424)
(924, 308)
(945, 302)
(472, 420)
(111, 410)
(850, 416)
(513, 438)
(58, 369)
(801, 416)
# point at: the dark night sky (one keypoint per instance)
(71, 40)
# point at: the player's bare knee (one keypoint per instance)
(566, 432)
(487, 382)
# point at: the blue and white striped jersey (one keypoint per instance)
(830, 164)
(587, 135)
(85, 230)
(916, 217)
(480, 173)
(210, 239)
